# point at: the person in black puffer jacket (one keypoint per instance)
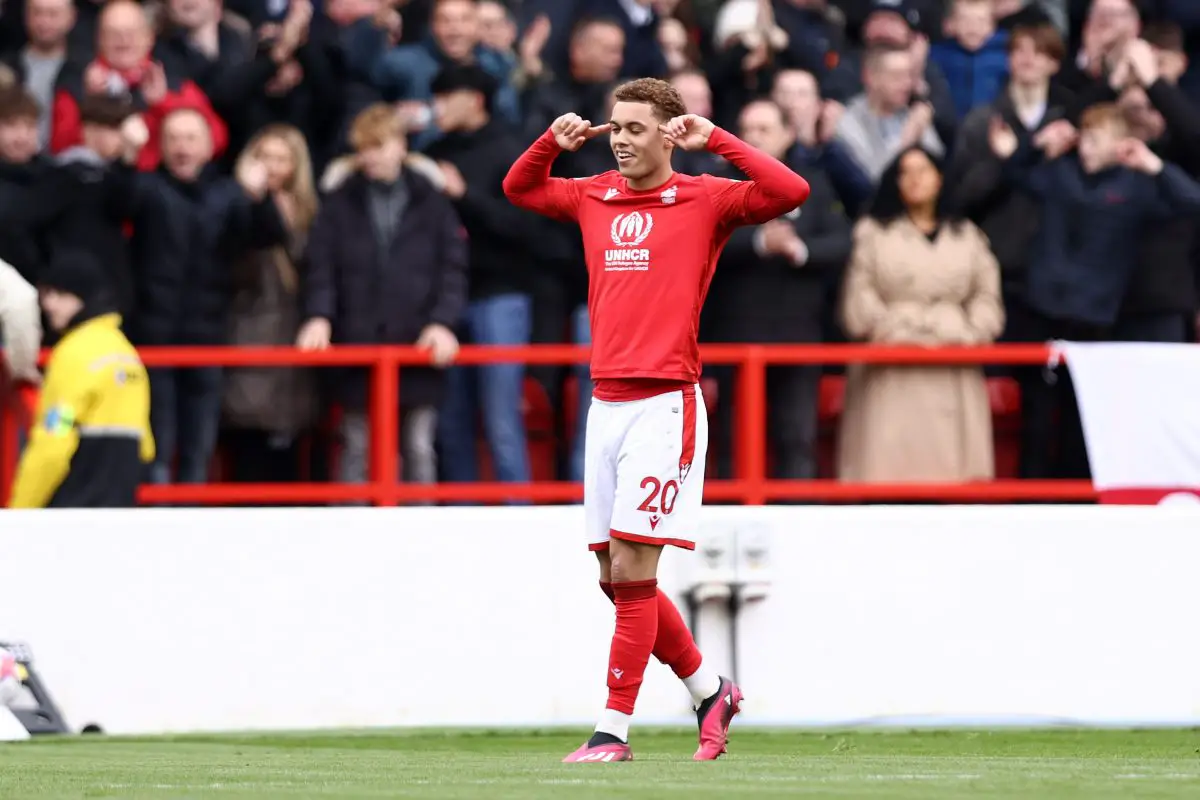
(191, 224)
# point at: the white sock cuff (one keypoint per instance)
(702, 684)
(615, 723)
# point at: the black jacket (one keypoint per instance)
(769, 299)
(1165, 279)
(423, 281)
(236, 85)
(19, 243)
(186, 238)
(82, 203)
(1008, 215)
(505, 240)
(1087, 248)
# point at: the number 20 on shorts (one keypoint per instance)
(662, 496)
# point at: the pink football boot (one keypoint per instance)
(714, 717)
(601, 754)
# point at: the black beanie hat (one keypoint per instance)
(76, 273)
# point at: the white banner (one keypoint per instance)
(1140, 408)
(176, 620)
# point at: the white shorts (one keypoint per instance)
(643, 475)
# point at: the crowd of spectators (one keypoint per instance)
(318, 172)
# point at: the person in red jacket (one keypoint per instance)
(124, 67)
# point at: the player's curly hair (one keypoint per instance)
(659, 95)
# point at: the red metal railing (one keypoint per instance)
(751, 486)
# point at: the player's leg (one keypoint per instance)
(717, 699)
(674, 644)
(656, 471)
(604, 429)
(634, 570)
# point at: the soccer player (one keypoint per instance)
(651, 238)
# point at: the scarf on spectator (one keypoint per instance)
(122, 81)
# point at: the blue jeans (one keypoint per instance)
(581, 333)
(497, 389)
(185, 414)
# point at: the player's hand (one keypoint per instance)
(1134, 153)
(571, 131)
(315, 335)
(1002, 139)
(1056, 139)
(441, 342)
(688, 132)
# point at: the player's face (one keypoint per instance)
(636, 141)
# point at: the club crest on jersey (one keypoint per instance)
(628, 232)
(668, 197)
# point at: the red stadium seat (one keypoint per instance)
(1004, 394)
(1004, 397)
(539, 426)
(830, 401)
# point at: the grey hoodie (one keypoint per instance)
(874, 141)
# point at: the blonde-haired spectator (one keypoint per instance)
(918, 277)
(387, 264)
(265, 408)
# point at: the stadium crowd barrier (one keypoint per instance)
(750, 487)
(183, 619)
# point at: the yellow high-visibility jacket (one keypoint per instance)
(92, 433)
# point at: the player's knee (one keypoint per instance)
(633, 562)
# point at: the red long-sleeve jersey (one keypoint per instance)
(651, 254)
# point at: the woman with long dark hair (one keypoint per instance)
(918, 275)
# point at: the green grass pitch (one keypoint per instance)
(524, 765)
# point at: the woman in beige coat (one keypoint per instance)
(918, 277)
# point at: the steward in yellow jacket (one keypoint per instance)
(92, 433)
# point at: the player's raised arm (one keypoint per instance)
(528, 183)
(773, 189)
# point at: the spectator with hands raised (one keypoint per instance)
(1097, 204)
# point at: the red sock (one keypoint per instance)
(673, 643)
(633, 641)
